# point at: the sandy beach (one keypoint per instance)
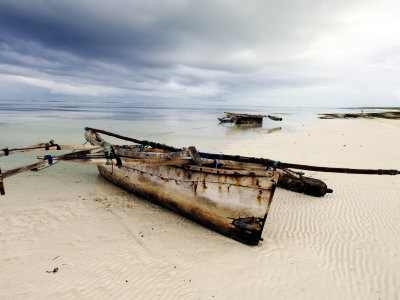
(109, 244)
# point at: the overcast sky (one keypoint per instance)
(281, 53)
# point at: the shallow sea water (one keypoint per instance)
(109, 243)
(25, 122)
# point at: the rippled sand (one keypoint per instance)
(107, 243)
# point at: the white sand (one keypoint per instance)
(107, 243)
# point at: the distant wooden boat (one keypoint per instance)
(246, 118)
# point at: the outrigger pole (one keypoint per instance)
(101, 152)
(263, 161)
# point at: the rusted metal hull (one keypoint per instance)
(233, 205)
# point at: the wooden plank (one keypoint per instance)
(228, 172)
(149, 155)
(195, 155)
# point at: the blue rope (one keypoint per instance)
(49, 158)
(215, 164)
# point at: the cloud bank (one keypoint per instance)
(282, 53)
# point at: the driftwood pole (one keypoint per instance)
(273, 118)
(2, 191)
(43, 147)
(49, 160)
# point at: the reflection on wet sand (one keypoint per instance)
(236, 128)
(274, 129)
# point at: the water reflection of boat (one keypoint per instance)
(274, 129)
(236, 128)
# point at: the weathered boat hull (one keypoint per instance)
(246, 120)
(234, 205)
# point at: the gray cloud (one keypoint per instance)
(273, 52)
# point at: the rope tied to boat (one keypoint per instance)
(53, 144)
(108, 155)
(49, 158)
(144, 147)
(6, 151)
(215, 164)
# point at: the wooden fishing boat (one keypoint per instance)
(246, 118)
(229, 194)
(229, 200)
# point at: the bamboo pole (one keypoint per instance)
(42, 147)
(126, 162)
(141, 142)
(46, 161)
(277, 164)
(24, 168)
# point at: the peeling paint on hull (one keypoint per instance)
(233, 205)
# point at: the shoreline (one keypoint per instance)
(391, 115)
(107, 243)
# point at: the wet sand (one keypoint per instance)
(107, 243)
